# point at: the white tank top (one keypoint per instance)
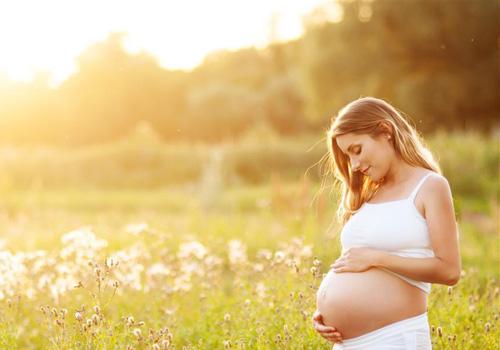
(395, 226)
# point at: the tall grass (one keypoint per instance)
(234, 267)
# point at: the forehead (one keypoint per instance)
(344, 141)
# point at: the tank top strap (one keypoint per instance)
(415, 191)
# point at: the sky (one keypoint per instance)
(48, 35)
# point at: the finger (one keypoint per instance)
(323, 328)
(329, 337)
(321, 324)
(323, 331)
(335, 335)
(326, 332)
(334, 339)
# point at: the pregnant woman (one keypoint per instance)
(399, 233)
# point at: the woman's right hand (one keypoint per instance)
(329, 333)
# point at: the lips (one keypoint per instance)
(364, 171)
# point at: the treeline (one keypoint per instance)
(435, 60)
(138, 164)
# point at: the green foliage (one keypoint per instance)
(468, 160)
(435, 60)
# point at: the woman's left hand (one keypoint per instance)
(356, 260)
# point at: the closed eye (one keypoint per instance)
(356, 153)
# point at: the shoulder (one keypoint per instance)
(436, 183)
(436, 189)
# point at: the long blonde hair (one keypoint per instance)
(364, 116)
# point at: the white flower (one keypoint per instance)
(193, 248)
(237, 252)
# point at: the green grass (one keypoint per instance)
(255, 300)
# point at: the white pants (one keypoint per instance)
(408, 334)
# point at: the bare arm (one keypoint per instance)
(445, 267)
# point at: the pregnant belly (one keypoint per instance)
(360, 302)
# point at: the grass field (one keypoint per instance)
(182, 269)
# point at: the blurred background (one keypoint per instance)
(185, 140)
(202, 98)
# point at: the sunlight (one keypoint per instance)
(47, 36)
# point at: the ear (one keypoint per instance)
(386, 129)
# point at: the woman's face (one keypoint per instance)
(372, 157)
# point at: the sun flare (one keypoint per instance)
(47, 36)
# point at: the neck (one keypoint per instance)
(398, 173)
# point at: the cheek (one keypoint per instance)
(369, 158)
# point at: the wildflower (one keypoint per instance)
(227, 344)
(137, 333)
(165, 344)
(247, 302)
(130, 321)
(279, 256)
(109, 262)
(95, 319)
(440, 331)
(264, 254)
(260, 289)
(237, 252)
(450, 289)
(487, 327)
(278, 338)
(97, 309)
(227, 317)
(193, 248)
